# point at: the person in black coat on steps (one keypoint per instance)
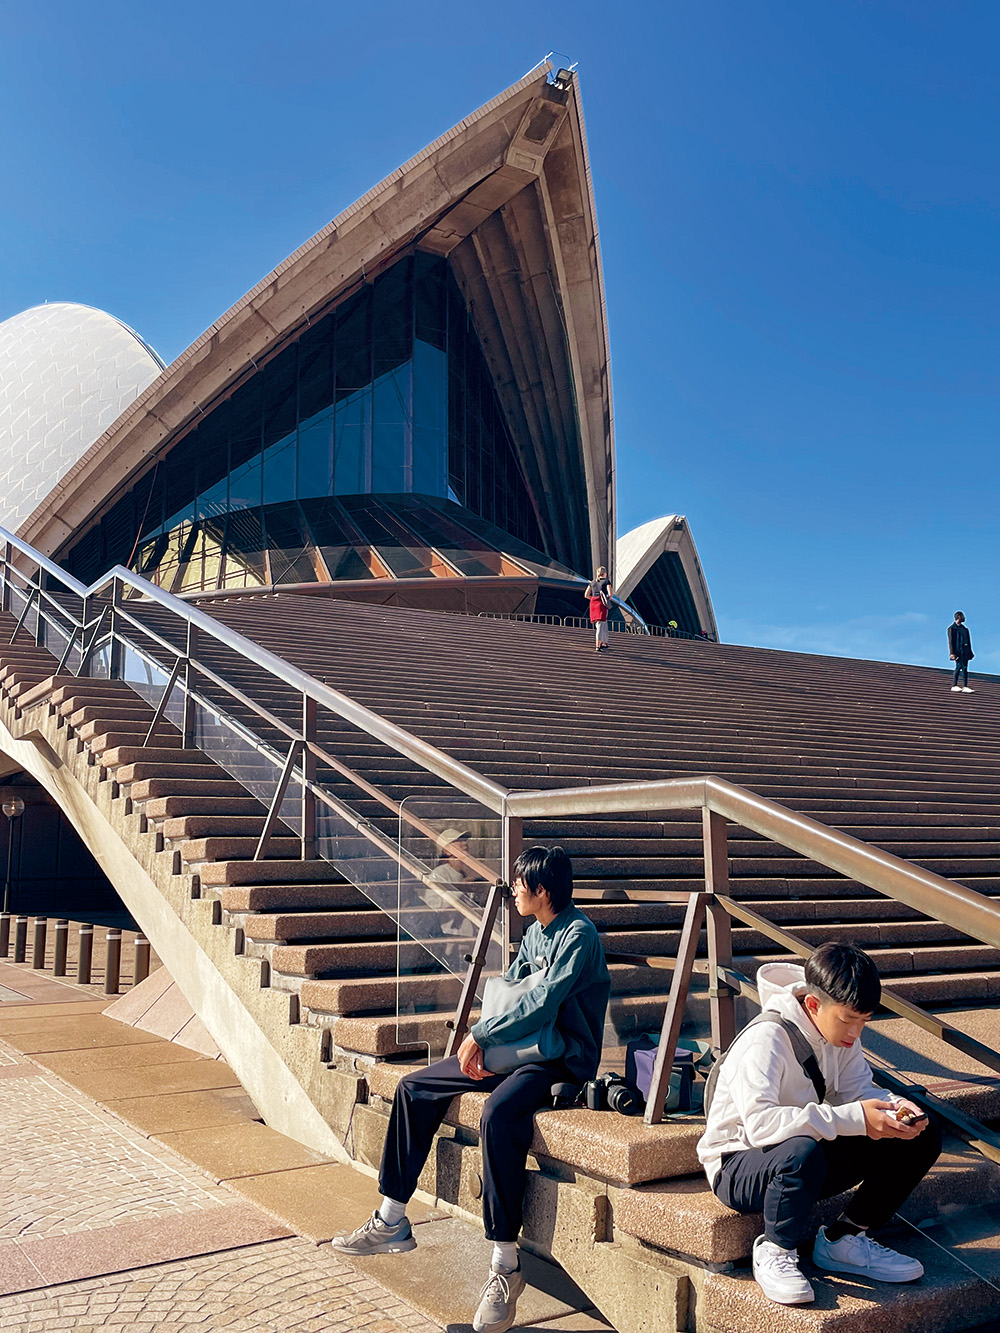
(960, 651)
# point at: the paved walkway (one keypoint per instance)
(140, 1190)
(83, 1196)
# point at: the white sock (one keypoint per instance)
(504, 1255)
(391, 1211)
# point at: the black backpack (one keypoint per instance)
(599, 589)
(804, 1053)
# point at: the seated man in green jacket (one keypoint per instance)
(575, 995)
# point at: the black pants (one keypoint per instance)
(507, 1127)
(961, 669)
(784, 1181)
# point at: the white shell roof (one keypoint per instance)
(66, 373)
(638, 551)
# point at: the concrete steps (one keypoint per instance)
(318, 964)
(684, 1216)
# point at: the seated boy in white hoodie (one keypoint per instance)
(775, 1143)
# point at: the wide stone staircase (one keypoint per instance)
(319, 998)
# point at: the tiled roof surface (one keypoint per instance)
(66, 372)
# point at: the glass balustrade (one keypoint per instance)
(450, 855)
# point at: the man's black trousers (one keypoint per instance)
(785, 1180)
(506, 1129)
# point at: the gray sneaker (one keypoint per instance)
(376, 1237)
(498, 1304)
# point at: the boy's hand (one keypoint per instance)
(903, 1107)
(881, 1122)
(470, 1058)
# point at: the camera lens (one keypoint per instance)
(623, 1099)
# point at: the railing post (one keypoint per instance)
(84, 613)
(308, 836)
(477, 958)
(722, 1002)
(39, 619)
(112, 961)
(86, 959)
(61, 946)
(20, 938)
(276, 800)
(5, 594)
(187, 726)
(673, 1016)
(116, 657)
(38, 944)
(140, 970)
(512, 833)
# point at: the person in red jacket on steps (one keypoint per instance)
(599, 592)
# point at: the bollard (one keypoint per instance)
(113, 961)
(20, 938)
(4, 934)
(86, 958)
(61, 945)
(38, 944)
(141, 969)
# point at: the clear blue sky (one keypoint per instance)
(799, 220)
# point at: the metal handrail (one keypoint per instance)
(932, 894)
(719, 800)
(457, 774)
(953, 904)
(44, 563)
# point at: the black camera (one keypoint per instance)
(610, 1092)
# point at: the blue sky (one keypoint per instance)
(798, 207)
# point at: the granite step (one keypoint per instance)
(222, 874)
(280, 846)
(370, 923)
(387, 1035)
(685, 1217)
(120, 712)
(602, 1144)
(169, 807)
(281, 897)
(948, 1298)
(372, 995)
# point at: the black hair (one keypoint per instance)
(845, 975)
(959, 615)
(546, 868)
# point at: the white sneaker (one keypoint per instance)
(956, 689)
(776, 1272)
(498, 1303)
(862, 1255)
(967, 690)
(376, 1237)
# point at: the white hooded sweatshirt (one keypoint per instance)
(764, 1096)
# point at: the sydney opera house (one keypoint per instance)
(412, 409)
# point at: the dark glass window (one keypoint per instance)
(388, 395)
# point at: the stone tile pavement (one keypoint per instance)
(288, 1284)
(140, 1190)
(83, 1194)
(69, 1166)
(105, 1227)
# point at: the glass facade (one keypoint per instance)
(387, 395)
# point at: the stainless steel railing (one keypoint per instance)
(719, 801)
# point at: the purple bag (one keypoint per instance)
(640, 1056)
